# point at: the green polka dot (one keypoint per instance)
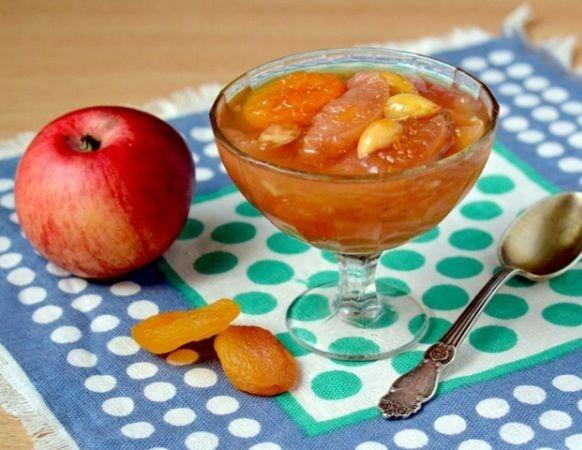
(269, 271)
(471, 239)
(291, 344)
(430, 235)
(336, 385)
(234, 233)
(281, 243)
(354, 346)
(329, 256)
(569, 283)
(388, 317)
(493, 339)
(192, 229)
(215, 262)
(564, 314)
(247, 210)
(405, 260)
(495, 184)
(256, 303)
(516, 281)
(459, 267)
(483, 210)
(323, 277)
(437, 327)
(407, 361)
(311, 307)
(392, 287)
(445, 297)
(506, 306)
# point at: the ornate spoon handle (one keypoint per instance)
(416, 387)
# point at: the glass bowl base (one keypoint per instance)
(375, 327)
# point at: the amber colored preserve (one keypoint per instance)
(355, 151)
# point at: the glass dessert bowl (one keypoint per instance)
(353, 198)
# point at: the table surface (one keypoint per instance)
(63, 55)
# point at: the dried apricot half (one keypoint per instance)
(165, 332)
(293, 99)
(255, 361)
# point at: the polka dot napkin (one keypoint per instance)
(71, 370)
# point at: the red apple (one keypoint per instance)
(104, 190)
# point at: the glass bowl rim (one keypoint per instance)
(331, 177)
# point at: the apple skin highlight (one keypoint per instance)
(104, 190)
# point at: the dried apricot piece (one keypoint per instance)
(291, 99)
(255, 361)
(165, 332)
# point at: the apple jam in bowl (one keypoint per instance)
(355, 151)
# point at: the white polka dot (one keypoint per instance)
(4, 243)
(200, 377)
(576, 140)
(104, 323)
(501, 57)
(536, 83)
(555, 95)
(531, 136)
(371, 445)
(72, 285)
(530, 395)
(519, 70)
(211, 150)
(572, 107)
(202, 440)
(515, 123)
(118, 406)
(47, 314)
(510, 89)
(574, 442)
(142, 370)
(222, 168)
(516, 433)
(125, 288)
(100, 383)
(272, 446)
(138, 430)
(562, 128)
(159, 391)
(492, 76)
(474, 444)
(567, 383)
(545, 113)
(244, 428)
(14, 219)
(182, 357)
(7, 200)
(32, 295)
(410, 438)
(580, 405)
(570, 164)
(10, 260)
(492, 408)
(550, 149)
(527, 100)
(123, 346)
(504, 110)
(474, 63)
(204, 174)
(555, 420)
(6, 184)
(58, 271)
(196, 158)
(66, 335)
(86, 303)
(222, 405)
(142, 309)
(202, 134)
(451, 424)
(80, 357)
(21, 276)
(180, 417)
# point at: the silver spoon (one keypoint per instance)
(544, 242)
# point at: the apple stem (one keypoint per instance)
(89, 143)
